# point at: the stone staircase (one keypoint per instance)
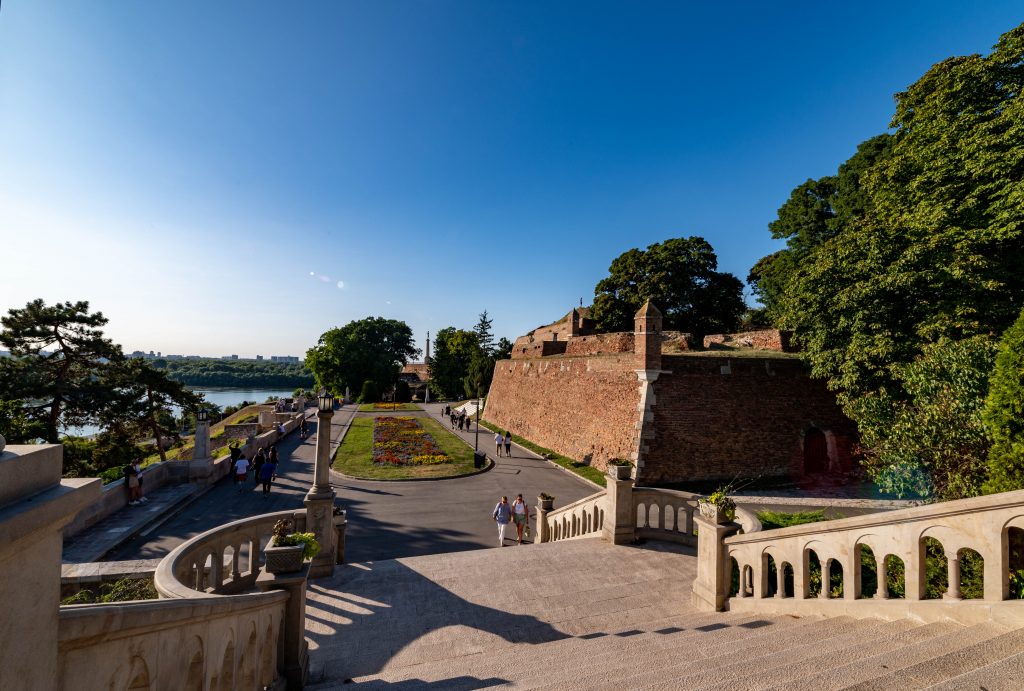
(585, 614)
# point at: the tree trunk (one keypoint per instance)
(154, 425)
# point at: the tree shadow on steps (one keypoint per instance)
(367, 615)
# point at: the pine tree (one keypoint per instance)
(483, 334)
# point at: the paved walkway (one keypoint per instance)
(385, 519)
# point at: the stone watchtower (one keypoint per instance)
(647, 351)
(647, 337)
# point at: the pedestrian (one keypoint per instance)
(241, 470)
(131, 482)
(273, 455)
(508, 444)
(235, 450)
(257, 462)
(498, 441)
(502, 515)
(280, 430)
(452, 418)
(462, 422)
(266, 475)
(521, 516)
(140, 498)
(302, 428)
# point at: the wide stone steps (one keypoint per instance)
(588, 615)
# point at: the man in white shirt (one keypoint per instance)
(241, 470)
(498, 440)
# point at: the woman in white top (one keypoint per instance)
(520, 515)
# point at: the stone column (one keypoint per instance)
(953, 591)
(711, 587)
(542, 522)
(826, 577)
(882, 592)
(780, 580)
(293, 652)
(320, 501)
(201, 466)
(620, 519)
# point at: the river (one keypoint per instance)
(219, 396)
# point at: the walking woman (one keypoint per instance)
(508, 446)
(521, 516)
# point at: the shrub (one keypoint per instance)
(369, 392)
(1004, 413)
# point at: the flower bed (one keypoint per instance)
(401, 441)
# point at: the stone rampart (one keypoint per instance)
(600, 344)
(718, 418)
(242, 431)
(763, 339)
(582, 407)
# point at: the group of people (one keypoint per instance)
(263, 467)
(516, 513)
(133, 481)
(458, 418)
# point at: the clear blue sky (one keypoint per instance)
(238, 177)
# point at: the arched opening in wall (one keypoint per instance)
(895, 577)
(641, 515)
(936, 569)
(734, 577)
(139, 675)
(668, 515)
(194, 677)
(228, 557)
(771, 586)
(835, 578)
(747, 580)
(972, 574)
(813, 574)
(788, 588)
(868, 570)
(226, 679)
(267, 658)
(815, 452)
(248, 663)
(654, 516)
(682, 524)
(1014, 559)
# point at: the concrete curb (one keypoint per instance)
(490, 464)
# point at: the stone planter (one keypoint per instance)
(283, 559)
(546, 504)
(712, 513)
(620, 472)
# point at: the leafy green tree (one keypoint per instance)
(366, 349)
(369, 393)
(478, 377)
(503, 351)
(1004, 413)
(57, 354)
(402, 392)
(454, 350)
(15, 426)
(680, 275)
(930, 440)
(141, 398)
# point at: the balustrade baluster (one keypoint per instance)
(953, 591)
(780, 579)
(882, 592)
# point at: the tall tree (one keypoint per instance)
(680, 275)
(484, 337)
(371, 349)
(454, 350)
(141, 398)
(1004, 413)
(57, 355)
(503, 351)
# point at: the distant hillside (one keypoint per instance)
(242, 373)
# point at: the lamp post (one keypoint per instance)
(201, 465)
(319, 499)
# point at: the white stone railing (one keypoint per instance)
(582, 518)
(662, 514)
(982, 525)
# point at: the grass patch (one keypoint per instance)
(582, 469)
(355, 455)
(124, 590)
(770, 520)
(386, 407)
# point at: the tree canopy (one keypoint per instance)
(371, 349)
(454, 352)
(914, 246)
(680, 276)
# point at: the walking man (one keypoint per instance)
(498, 443)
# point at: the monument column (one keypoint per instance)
(320, 498)
(201, 465)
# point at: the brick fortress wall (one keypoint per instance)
(718, 418)
(581, 407)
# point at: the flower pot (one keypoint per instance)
(283, 559)
(712, 513)
(620, 472)
(546, 504)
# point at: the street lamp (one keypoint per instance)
(202, 415)
(326, 402)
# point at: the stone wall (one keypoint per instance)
(764, 339)
(243, 431)
(717, 418)
(582, 407)
(600, 344)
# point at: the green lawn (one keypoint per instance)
(581, 469)
(355, 455)
(386, 407)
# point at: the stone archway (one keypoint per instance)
(816, 458)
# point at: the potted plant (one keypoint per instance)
(288, 549)
(546, 501)
(620, 468)
(718, 508)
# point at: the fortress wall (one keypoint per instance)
(601, 344)
(581, 407)
(716, 418)
(764, 339)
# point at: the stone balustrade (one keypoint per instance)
(582, 518)
(662, 514)
(837, 555)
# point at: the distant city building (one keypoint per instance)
(283, 358)
(229, 357)
(259, 357)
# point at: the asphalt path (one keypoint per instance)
(386, 520)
